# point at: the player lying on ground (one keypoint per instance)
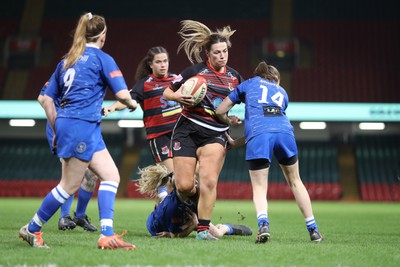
(173, 217)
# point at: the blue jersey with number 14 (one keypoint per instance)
(81, 88)
(260, 96)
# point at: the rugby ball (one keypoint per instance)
(195, 86)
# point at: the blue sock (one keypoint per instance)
(83, 200)
(35, 225)
(106, 200)
(230, 231)
(262, 217)
(66, 207)
(51, 203)
(311, 224)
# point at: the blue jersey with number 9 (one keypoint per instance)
(81, 88)
(266, 103)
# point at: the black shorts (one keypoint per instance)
(160, 147)
(188, 136)
(259, 164)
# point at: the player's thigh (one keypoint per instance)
(291, 172)
(168, 163)
(259, 178)
(104, 166)
(184, 169)
(73, 170)
(211, 159)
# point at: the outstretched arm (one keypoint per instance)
(125, 98)
(222, 113)
(241, 141)
(117, 105)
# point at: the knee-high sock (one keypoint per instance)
(83, 201)
(51, 203)
(66, 207)
(106, 201)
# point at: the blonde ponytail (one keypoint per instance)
(151, 178)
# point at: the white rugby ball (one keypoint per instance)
(195, 86)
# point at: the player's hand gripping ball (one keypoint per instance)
(195, 86)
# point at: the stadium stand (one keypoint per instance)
(9, 20)
(353, 51)
(378, 167)
(318, 169)
(348, 53)
(337, 40)
(30, 168)
(2, 77)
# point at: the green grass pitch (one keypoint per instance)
(356, 234)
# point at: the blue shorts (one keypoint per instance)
(50, 135)
(282, 145)
(78, 138)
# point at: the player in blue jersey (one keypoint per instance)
(198, 137)
(80, 82)
(173, 217)
(159, 114)
(268, 131)
(84, 194)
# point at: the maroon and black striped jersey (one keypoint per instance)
(219, 85)
(159, 114)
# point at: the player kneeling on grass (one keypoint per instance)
(173, 217)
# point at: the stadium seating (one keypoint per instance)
(337, 36)
(336, 46)
(319, 170)
(334, 38)
(3, 73)
(340, 71)
(318, 167)
(378, 167)
(31, 170)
